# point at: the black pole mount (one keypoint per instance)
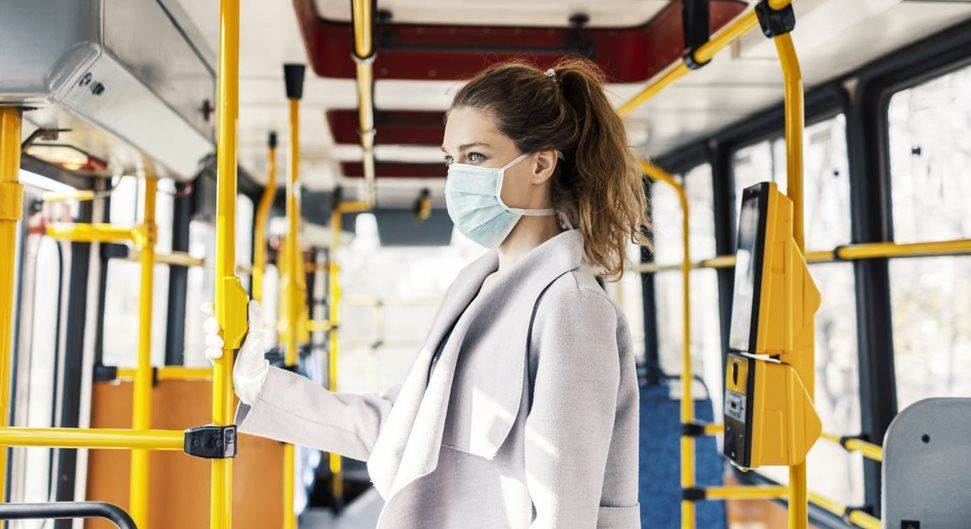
(293, 78)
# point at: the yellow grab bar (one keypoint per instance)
(731, 32)
(170, 373)
(849, 252)
(114, 438)
(855, 516)
(231, 298)
(868, 450)
(11, 211)
(90, 232)
(262, 216)
(295, 294)
(81, 195)
(746, 492)
(142, 392)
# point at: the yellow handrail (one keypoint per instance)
(170, 373)
(849, 252)
(113, 438)
(295, 286)
(746, 492)
(868, 450)
(231, 298)
(80, 195)
(90, 232)
(687, 403)
(262, 216)
(731, 32)
(142, 391)
(794, 125)
(856, 516)
(11, 210)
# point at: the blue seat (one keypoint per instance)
(660, 462)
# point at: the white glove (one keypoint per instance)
(251, 368)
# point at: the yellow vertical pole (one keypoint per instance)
(795, 121)
(11, 210)
(333, 338)
(687, 401)
(142, 391)
(293, 76)
(230, 297)
(262, 216)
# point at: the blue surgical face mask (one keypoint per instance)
(472, 196)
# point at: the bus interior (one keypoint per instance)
(159, 154)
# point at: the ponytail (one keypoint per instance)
(598, 186)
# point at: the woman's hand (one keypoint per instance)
(249, 374)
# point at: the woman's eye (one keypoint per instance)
(449, 160)
(475, 157)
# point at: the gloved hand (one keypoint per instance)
(249, 373)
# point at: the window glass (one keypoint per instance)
(122, 291)
(931, 302)
(669, 298)
(244, 236)
(666, 217)
(35, 389)
(627, 293)
(757, 163)
(832, 471)
(930, 152)
(271, 299)
(826, 179)
(200, 283)
(389, 302)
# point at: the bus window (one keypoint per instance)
(705, 343)
(271, 299)
(121, 299)
(628, 293)
(244, 236)
(409, 282)
(39, 265)
(930, 296)
(200, 288)
(833, 471)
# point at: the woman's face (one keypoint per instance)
(471, 137)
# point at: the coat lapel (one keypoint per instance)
(479, 390)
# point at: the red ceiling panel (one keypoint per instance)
(396, 170)
(395, 127)
(420, 52)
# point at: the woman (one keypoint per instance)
(521, 410)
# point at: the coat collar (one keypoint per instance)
(495, 330)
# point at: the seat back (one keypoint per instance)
(927, 466)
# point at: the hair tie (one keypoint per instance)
(551, 74)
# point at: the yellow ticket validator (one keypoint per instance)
(769, 416)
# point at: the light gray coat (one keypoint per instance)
(529, 418)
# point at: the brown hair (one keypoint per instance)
(598, 185)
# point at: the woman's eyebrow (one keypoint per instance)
(467, 146)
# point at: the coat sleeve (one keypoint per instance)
(295, 410)
(571, 418)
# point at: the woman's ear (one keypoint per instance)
(544, 165)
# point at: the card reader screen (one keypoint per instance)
(748, 263)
